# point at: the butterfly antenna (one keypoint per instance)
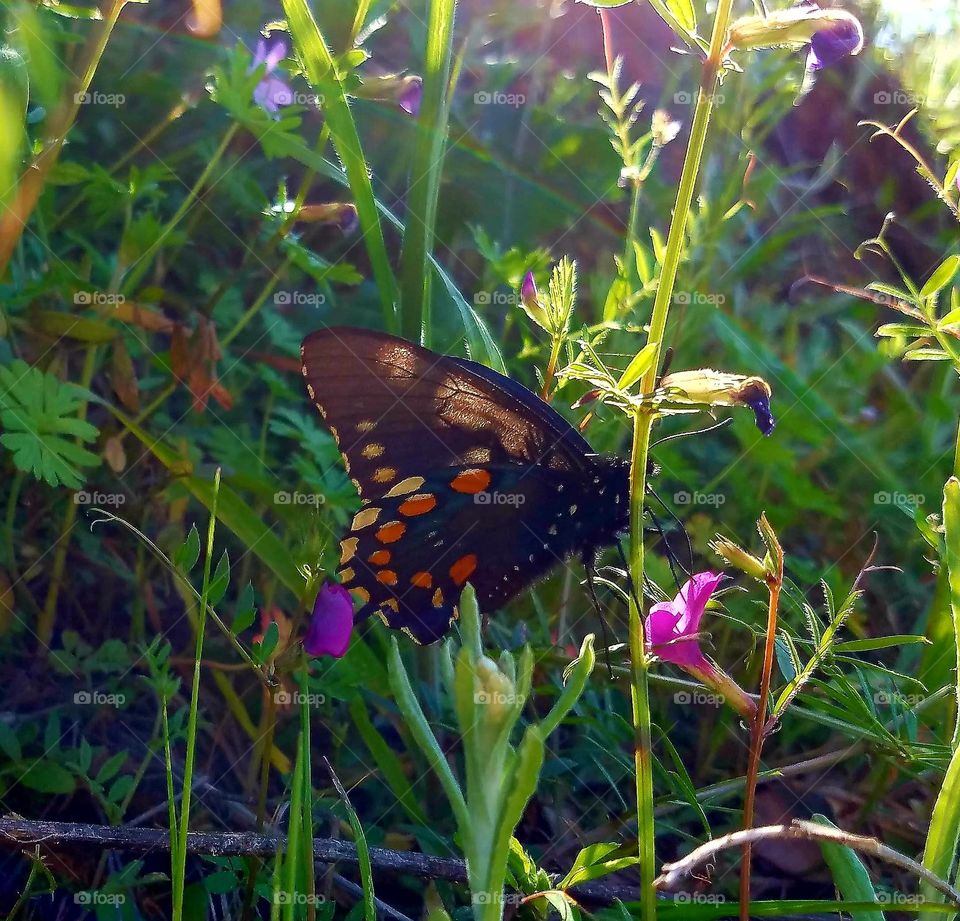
(626, 569)
(683, 530)
(672, 560)
(676, 435)
(592, 589)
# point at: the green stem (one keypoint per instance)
(181, 866)
(48, 616)
(643, 425)
(139, 269)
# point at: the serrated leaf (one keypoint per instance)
(39, 413)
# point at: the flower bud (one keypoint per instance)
(797, 27)
(738, 557)
(717, 388)
(343, 214)
(530, 301)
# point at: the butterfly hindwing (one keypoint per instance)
(408, 555)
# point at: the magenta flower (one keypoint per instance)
(411, 95)
(328, 633)
(528, 290)
(272, 91)
(673, 627)
(672, 632)
(841, 39)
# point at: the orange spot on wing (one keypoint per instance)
(379, 557)
(391, 532)
(361, 593)
(421, 580)
(418, 505)
(463, 568)
(471, 481)
(387, 577)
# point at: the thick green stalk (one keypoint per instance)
(643, 424)
(427, 165)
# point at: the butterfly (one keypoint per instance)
(464, 475)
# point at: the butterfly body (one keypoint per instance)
(464, 476)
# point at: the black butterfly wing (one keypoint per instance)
(465, 476)
(398, 410)
(408, 556)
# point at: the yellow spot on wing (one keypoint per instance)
(362, 594)
(347, 575)
(372, 450)
(364, 518)
(384, 474)
(365, 425)
(438, 598)
(393, 604)
(348, 548)
(410, 484)
(409, 633)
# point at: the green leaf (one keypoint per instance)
(427, 164)
(950, 319)
(926, 355)
(894, 330)
(320, 70)
(48, 777)
(591, 863)
(246, 610)
(685, 13)
(39, 413)
(941, 277)
(220, 581)
(9, 743)
(111, 767)
(268, 644)
(638, 366)
(880, 642)
(189, 551)
(849, 875)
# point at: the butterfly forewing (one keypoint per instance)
(398, 410)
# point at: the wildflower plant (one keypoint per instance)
(488, 699)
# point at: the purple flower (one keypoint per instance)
(328, 633)
(840, 39)
(672, 632)
(411, 95)
(272, 91)
(673, 627)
